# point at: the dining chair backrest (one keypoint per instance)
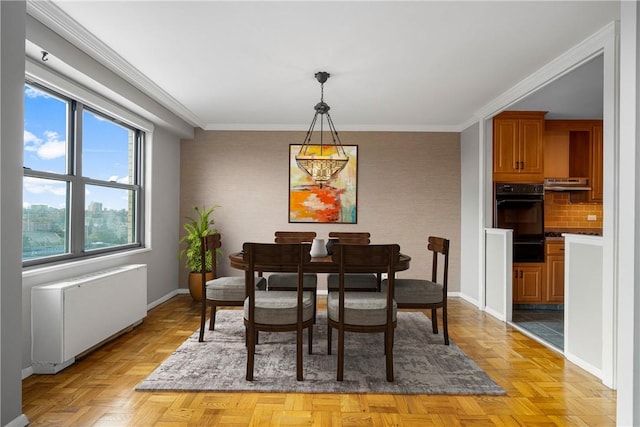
(351, 237)
(209, 247)
(294, 236)
(289, 257)
(359, 258)
(439, 245)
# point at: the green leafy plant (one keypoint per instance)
(199, 226)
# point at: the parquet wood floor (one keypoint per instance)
(543, 389)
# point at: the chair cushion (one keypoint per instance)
(280, 307)
(360, 308)
(290, 280)
(230, 288)
(353, 281)
(415, 291)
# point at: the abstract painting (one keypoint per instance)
(334, 202)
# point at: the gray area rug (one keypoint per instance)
(422, 363)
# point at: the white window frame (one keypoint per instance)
(65, 88)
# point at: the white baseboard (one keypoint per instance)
(27, 372)
(500, 316)
(470, 300)
(584, 365)
(167, 297)
(19, 421)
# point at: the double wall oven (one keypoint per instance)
(520, 207)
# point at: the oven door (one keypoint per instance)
(525, 216)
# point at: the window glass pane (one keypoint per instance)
(45, 131)
(107, 149)
(44, 218)
(109, 217)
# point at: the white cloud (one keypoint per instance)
(53, 148)
(42, 186)
(113, 178)
(31, 141)
(34, 93)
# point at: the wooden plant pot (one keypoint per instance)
(195, 284)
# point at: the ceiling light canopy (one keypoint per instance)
(322, 162)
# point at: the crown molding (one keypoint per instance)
(343, 128)
(53, 17)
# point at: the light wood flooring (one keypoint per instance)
(543, 389)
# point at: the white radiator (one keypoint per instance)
(71, 316)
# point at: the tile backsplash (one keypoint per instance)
(560, 212)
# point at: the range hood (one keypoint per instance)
(566, 184)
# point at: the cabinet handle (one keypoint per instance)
(521, 165)
(517, 165)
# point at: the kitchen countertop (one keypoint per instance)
(572, 230)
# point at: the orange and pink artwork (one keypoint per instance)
(333, 202)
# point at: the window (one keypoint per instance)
(82, 192)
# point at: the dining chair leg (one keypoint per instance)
(329, 329)
(310, 338)
(299, 354)
(340, 354)
(444, 325)
(203, 320)
(434, 320)
(212, 322)
(315, 305)
(384, 343)
(388, 343)
(251, 348)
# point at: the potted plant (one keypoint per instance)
(197, 227)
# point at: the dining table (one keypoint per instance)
(317, 265)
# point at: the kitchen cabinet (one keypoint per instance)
(596, 176)
(527, 283)
(555, 272)
(573, 148)
(518, 146)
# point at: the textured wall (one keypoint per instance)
(408, 189)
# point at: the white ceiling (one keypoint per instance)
(418, 65)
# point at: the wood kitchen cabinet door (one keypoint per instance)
(555, 279)
(505, 146)
(596, 176)
(527, 282)
(518, 146)
(531, 144)
(555, 271)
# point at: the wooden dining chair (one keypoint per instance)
(427, 294)
(277, 311)
(289, 281)
(364, 312)
(219, 291)
(355, 281)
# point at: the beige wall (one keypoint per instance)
(408, 189)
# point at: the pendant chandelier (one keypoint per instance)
(322, 162)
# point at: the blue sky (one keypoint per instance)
(105, 152)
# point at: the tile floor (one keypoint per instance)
(547, 325)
